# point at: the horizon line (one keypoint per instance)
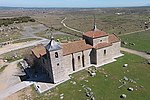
(72, 7)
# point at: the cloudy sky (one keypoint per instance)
(73, 3)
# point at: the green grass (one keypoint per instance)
(25, 40)
(11, 58)
(141, 40)
(11, 36)
(107, 88)
(61, 37)
(110, 23)
(21, 53)
(2, 68)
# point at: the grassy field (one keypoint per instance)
(105, 87)
(140, 39)
(25, 40)
(59, 36)
(110, 23)
(17, 54)
(2, 68)
(10, 36)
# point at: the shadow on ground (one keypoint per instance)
(34, 76)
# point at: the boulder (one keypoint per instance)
(61, 94)
(92, 98)
(125, 65)
(149, 62)
(93, 74)
(74, 83)
(123, 96)
(61, 97)
(125, 78)
(87, 94)
(89, 89)
(130, 89)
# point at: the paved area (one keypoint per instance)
(9, 77)
(43, 87)
(142, 54)
(13, 89)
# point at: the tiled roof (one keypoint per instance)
(39, 50)
(95, 34)
(102, 45)
(74, 47)
(113, 38)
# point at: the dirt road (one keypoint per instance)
(69, 27)
(12, 47)
(142, 54)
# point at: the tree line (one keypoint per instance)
(8, 21)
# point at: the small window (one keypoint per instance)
(56, 54)
(78, 58)
(43, 61)
(104, 52)
(57, 64)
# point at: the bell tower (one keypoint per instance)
(57, 71)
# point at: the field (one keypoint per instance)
(110, 23)
(141, 41)
(9, 36)
(106, 19)
(105, 87)
(16, 55)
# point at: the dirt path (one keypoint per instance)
(29, 31)
(142, 54)
(12, 47)
(69, 27)
(8, 76)
(10, 81)
(133, 32)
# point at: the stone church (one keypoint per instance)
(95, 49)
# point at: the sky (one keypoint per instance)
(74, 3)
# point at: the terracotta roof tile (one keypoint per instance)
(74, 47)
(39, 50)
(102, 45)
(95, 34)
(113, 38)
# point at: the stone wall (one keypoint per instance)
(67, 61)
(116, 48)
(46, 64)
(57, 66)
(78, 60)
(95, 41)
(101, 57)
(100, 40)
(87, 58)
(93, 56)
(81, 60)
(111, 52)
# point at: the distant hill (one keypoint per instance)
(3, 7)
(7, 8)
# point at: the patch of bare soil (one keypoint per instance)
(25, 94)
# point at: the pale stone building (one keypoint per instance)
(59, 60)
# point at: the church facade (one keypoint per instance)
(59, 60)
